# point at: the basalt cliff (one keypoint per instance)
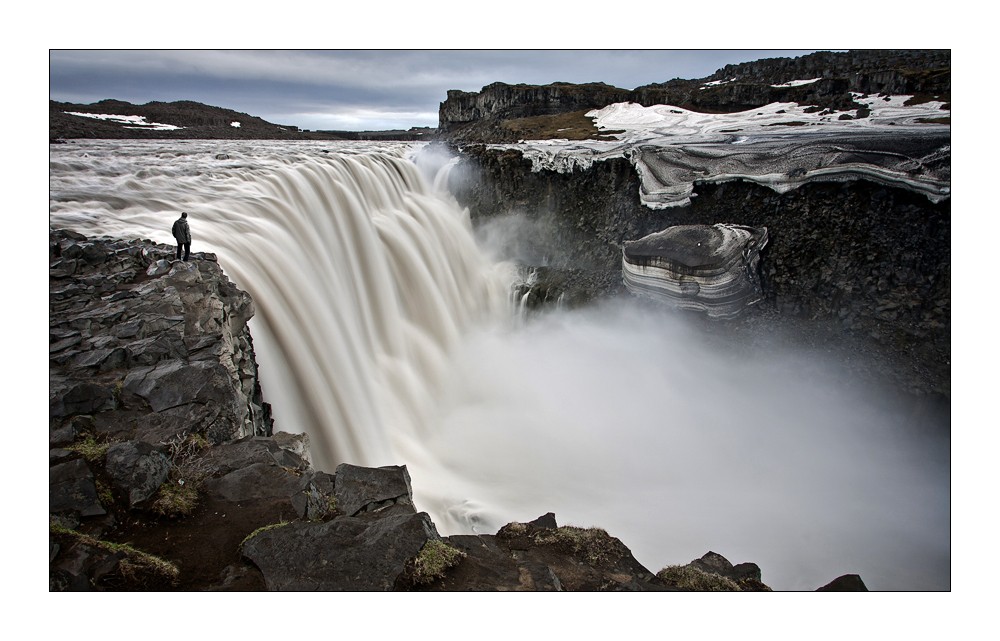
(852, 263)
(502, 113)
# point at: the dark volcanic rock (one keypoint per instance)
(71, 489)
(480, 116)
(361, 489)
(523, 556)
(137, 468)
(262, 482)
(242, 453)
(845, 583)
(872, 262)
(547, 520)
(718, 564)
(346, 554)
(171, 357)
(171, 383)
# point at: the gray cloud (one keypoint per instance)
(356, 89)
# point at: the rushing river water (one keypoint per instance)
(386, 333)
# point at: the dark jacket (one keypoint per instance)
(181, 231)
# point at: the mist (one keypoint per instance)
(623, 416)
(630, 416)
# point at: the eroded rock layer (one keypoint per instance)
(709, 268)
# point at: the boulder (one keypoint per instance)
(547, 520)
(365, 553)
(72, 489)
(361, 489)
(714, 563)
(298, 444)
(572, 559)
(267, 483)
(228, 457)
(137, 468)
(64, 434)
(159, 268)
(747, 576)
(845, 583)
(486, 567)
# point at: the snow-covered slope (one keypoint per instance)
(780, 145)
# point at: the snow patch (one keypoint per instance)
(781, 145)
(234, 124)
(716, 83)
(797, 83)
(138, 122)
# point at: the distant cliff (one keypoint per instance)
(189, 120)
(507, 113)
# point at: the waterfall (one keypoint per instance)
(363, 275)
(384, 332)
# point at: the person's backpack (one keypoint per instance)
(175, 231)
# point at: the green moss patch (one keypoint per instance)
(689, 578)
(90, 449)
(136, 570)
(176, 497)
(591, 545)
(265, 528)
(431, 563)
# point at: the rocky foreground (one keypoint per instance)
(166, 473)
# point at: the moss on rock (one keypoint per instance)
(431, 563)
(689, 578)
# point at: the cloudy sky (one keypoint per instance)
(357, 89)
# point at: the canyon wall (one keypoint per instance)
(870, 261)
(480, 116)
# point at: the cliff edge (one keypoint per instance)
(502, 113)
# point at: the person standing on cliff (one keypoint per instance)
(182, 234)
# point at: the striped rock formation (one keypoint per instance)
(709, 268)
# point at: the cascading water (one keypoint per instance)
(363, 277)
(384, 332)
